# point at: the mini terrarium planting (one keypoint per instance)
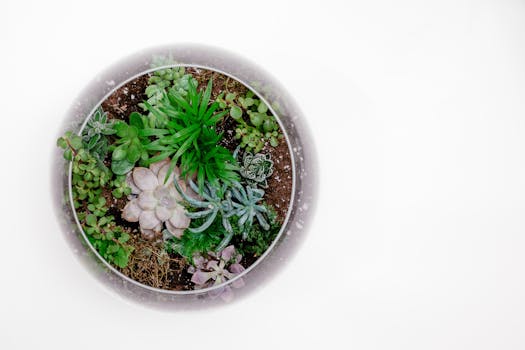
(181, 179)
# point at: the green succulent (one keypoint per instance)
(130, 146)
(71, 144)
(255, 168)
(216, 202)
(191, 243)
(120, 187)
(88, 181)
(88, 178)
(256, 124)
(245, 201)
(95, 132)
(108, 239)
(258, 240)
(159, 83)
(190, 138)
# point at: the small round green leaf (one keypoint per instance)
(91, 220)
(236, 112)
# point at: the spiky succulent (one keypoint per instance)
(190, 137)
(255, 168)
(215, 201)
(160, 82)
(245, 203)
(214, 269)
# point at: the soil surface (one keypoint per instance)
(149, 263)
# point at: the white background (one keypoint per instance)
(418, 115)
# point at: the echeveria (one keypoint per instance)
(155, 202)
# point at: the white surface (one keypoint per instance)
(417, 109)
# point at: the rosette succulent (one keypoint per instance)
(155, 202)
(216, 269)
(256, 168)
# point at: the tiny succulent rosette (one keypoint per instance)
(216, 269)
(155, 202)
(256, 169)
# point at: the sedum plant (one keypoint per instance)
(108, 239)
(155, 202)
(120, 187)
(190, 138)
(256, 124)
(255, 168)
(88, 179)
(215, 269)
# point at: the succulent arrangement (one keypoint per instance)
(186, 170)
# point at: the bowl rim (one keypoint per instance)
(266, 252)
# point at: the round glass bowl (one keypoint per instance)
(296, 136)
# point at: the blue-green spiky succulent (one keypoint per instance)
(226, 202)
(245, 203)
(216, 200)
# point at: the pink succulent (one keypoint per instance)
(155, 202)
(217, 269)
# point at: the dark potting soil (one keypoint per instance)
(149, 264)
(125, 99)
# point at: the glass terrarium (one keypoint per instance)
(185, 177)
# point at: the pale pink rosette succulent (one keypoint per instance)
(154, 202)
(217, 269)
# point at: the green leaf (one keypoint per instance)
(133, 154)
(76, 142)
(236, 112)
(159, 157)
(230, 97)
(121, 167)
(91, 220)
(135, 119)
(124, 238)
(61, 142)
(68, 154)
(206, 98)
(133, 132)
(112, 248)
(121, 128)
(153, 132)
(121, 258)
(262, 108)
(119, 153)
